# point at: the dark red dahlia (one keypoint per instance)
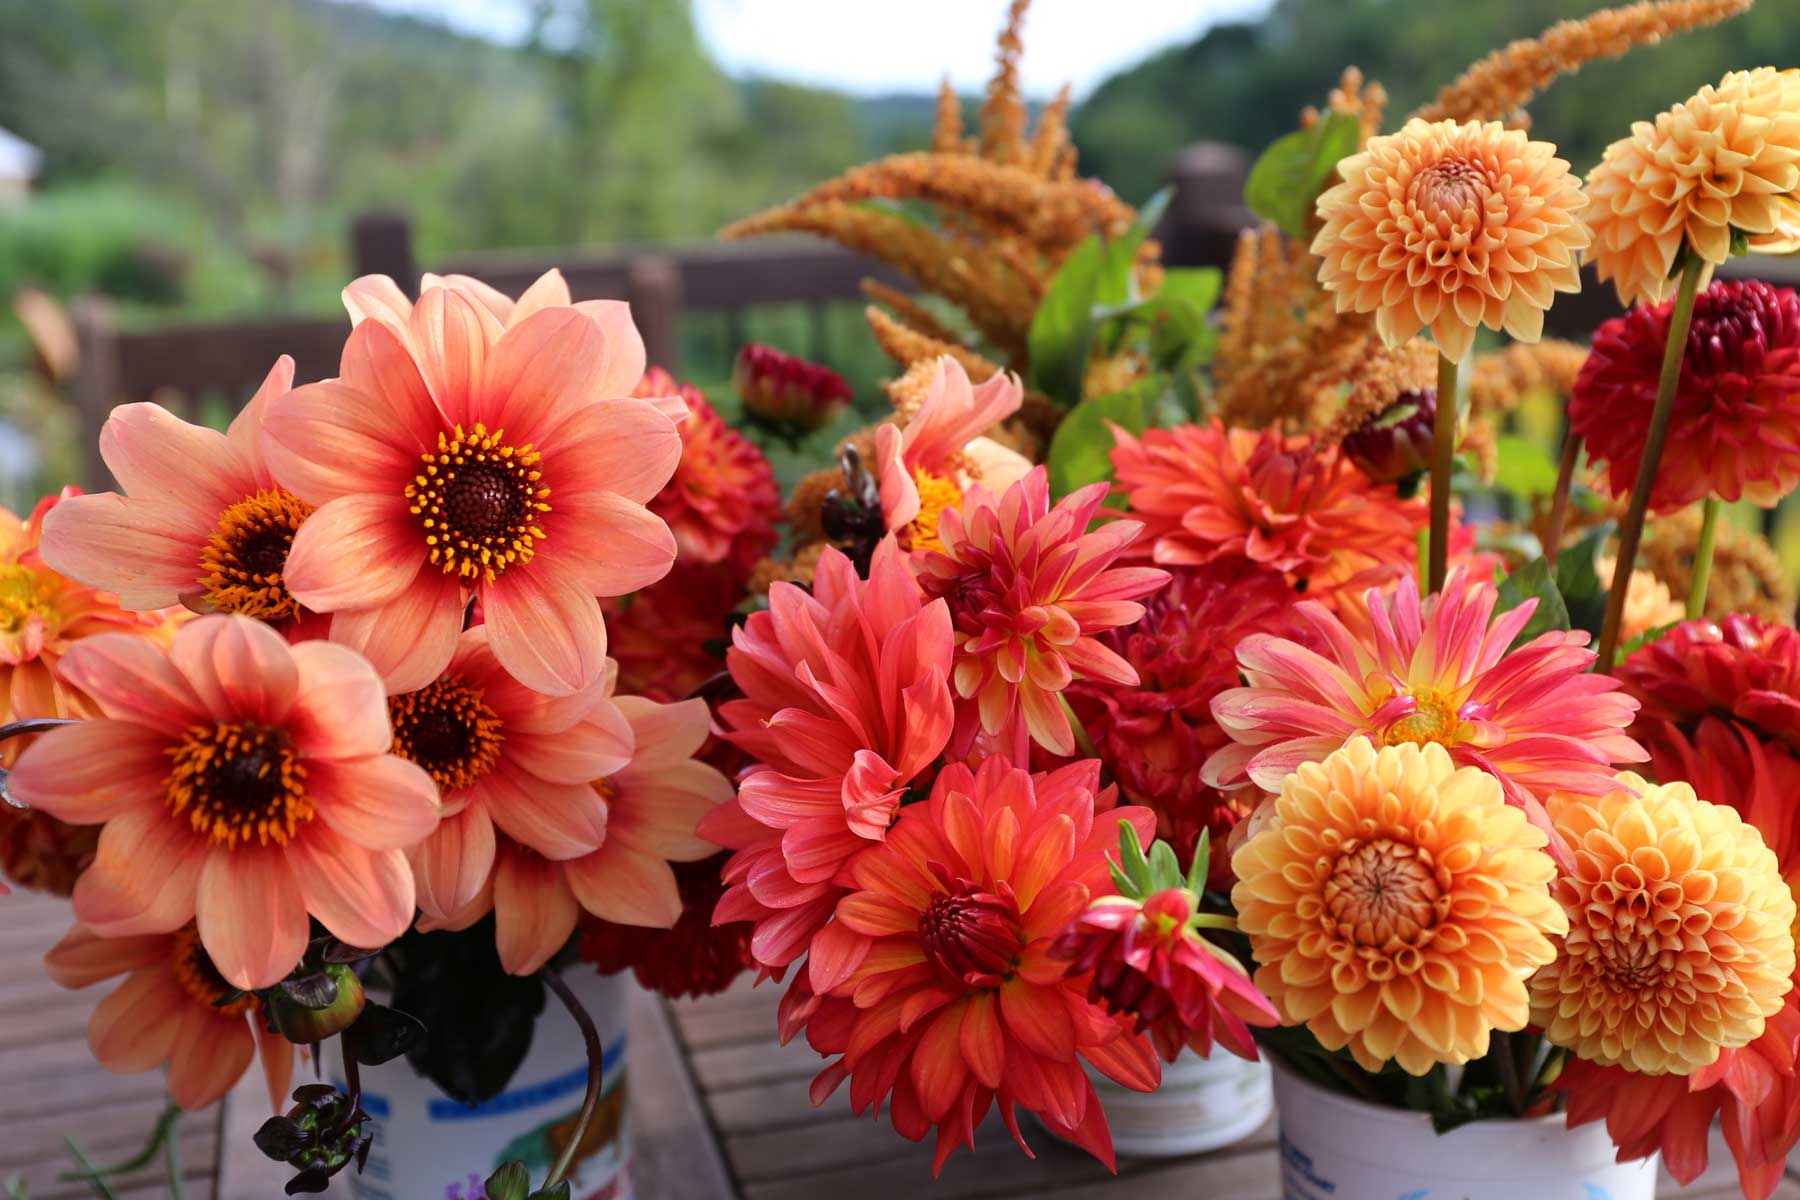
(1739, 667)
(1395, 443)
(695, 958)
(788, 393)
(1735, 431)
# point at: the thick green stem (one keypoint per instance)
(1703, 558)
(1443, 455)
(1559, 503)
(1632, 531)
(596, 1073)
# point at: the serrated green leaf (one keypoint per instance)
(1525, 468)
(1165, 870)
(1081, 450)
(1199, 286)
(1533, 582)
(1285, 183)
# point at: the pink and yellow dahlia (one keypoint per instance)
(241, 780)
(1438, 672)
(935, 987)
(1028, 588)
(461, 453)
(1208, 492)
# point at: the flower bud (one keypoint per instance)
(788, 393)
(1396, 443)
(316, 1006)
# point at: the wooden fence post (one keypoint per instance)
(1207, 210)
(653, 289)
(381, 244)
(95, 385)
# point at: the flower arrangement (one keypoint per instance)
(1145, 684)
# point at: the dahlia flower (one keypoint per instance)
(42, 854)
(1206, 492)
(173, 1009)
(1680, 939)
(846, 699)
(670, 638)
(786, 392)
(1725, 160)
(930, 465)
(1397, 904)
(936, 983)
(693, 957)
(241, 780)
(1433, 672)
(1396, 443)
(1451, 227)
(1734, 432)
(642, 811)
(1740, 667)
(1028, 588)
(722, 502)
(459, 455)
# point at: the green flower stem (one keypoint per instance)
(90, 1174)
(1703, 558)
(1442, 456)
(596, 1073)
(1632, 531)
(1559, 503)
(162, 1133)
(1083, 742)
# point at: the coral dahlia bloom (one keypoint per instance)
(464, 455)
(941, 994)
(1680, 939)
(1397, 905)
(1740, 667)
(846, 699)
(1451, 227)
(1029, 587)
(929, 465)
(1437, 671)
(1208, 492)
(171, 1010)
(240, 780)
(201, 520)
(1726, 159)
(1735, 428)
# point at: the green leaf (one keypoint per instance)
(1526, 468)
(1654, 634)
(1578, 579)
(1063, 326)
(1198, 286)
(1286, 181)
(1081, 451)
(1196, 876)
(1114, 285)
(1529, 582)
(511, 1182)
(1131, 858)
(1165, 871)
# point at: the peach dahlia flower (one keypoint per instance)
(1451, 227)
(241, 780)
(462, 454)
(1397, 905)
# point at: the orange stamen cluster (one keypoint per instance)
(479, 501)
(241, 566)
(448, 729)
(238, 782)
(199, 978)
(936, 494)
(24, 594)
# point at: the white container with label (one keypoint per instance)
(1202, 1104)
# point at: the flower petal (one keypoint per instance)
(132, 680)
(342, 711)
(410, 639)
(364, 897)
(378, 803)
(558, 820)
(144, 877)
(618, 883)
(93, 771)
(452, 865)
(534, 911)
(147, 551)
(357, 551)
(546, 632)
(252, 920)
(241, 669)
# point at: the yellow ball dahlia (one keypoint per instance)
(1680, 939)
(1397, 905)
(1452, 226)
(1727, 158)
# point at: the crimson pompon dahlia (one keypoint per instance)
(940, 994)
(1740, 667)
(465, 453)
(693, 957)
(1434, 671)
(1028, 587)
(846, 699)
(788, 393)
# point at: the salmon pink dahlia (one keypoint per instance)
(1207, 492)
(241, 780)
(1438, 672)
(465, 453)
(845, 701)
(937, 989)
(173, 1009)
(1028, 588)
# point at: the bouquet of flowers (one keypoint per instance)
(1149, 680)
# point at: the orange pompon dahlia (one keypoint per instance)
(845, 701)
(1451, 227)
(928, 466)
(1680, 939)
(1208, 492)
(1725, 161)
(242, 780)
(1735, 428)
(460, 453)
(174, 1009)
(201, 521)
(936, 985)
(1029, 586)
(1397, 904)
(722, 502)
(1439, 671)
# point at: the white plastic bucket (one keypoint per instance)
(1203, 1103)
(429, 1147)
(1334, 1147)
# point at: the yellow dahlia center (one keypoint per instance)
(936, 493)
(24, 594)
(238, 782)
(199, 978)
(1433, 719)
(240, 568)
(1381, 892)
(448, 729)
(479, 500)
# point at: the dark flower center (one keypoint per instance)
(479, 500)
(448, 729)
(243, 560)
(238, 782)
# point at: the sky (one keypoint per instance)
(867, 47)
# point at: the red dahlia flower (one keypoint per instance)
(788, 392)
(694, 958)
(1739, 666)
